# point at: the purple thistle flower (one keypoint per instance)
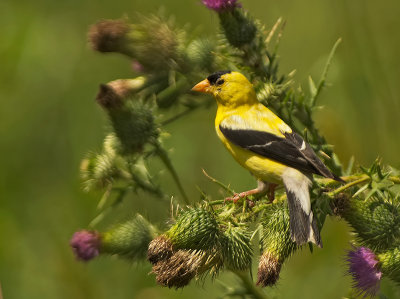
(220, 5)
(363, 267)
(85, 244)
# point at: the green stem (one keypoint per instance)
(162, 153)
(177, 116)
(143, 184)
(348, 185)
(249, 285)
(214, 180)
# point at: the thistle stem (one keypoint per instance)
(161, 152)
(348, 185)
(249, 285)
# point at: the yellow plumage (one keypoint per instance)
(265, 145)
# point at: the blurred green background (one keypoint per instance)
(49, 120)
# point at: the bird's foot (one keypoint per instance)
(237, 196)
(271, 192)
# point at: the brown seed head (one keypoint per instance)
(107, 35)
(269, 268)
(160, 249)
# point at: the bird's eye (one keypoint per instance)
(220, 81)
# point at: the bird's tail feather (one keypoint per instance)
(303, 227)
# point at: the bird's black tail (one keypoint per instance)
(303, 227)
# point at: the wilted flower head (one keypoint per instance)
(219, 5)
(85, 244)
(363, 268)
(269, 269)
(108, 35)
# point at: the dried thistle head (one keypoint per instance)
(184, 265)
(113, 94)
(269, 268)
(108, 35)
(160, 249)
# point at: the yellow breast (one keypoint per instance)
(262, 168)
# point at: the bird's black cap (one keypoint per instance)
(214, 77)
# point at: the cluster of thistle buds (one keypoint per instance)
(217, 235)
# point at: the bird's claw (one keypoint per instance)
(237, 196)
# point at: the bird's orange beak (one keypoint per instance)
(203, 86)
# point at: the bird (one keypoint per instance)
(266, 146)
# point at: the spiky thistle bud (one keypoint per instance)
(157, 44)
(100, 170)
(275, 243)
(238, 28)
(237, 249)
(364, 269)
(200, 54)
(86, 244)
(195, 228)
(375, 221)
(132, 120)
(390, 264)
(129, 239)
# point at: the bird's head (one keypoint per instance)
(230, 89)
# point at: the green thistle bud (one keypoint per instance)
(275, 244)
(200, 55)
(132, 120)
(237, 249)
(376, 222)
(196, 228)
(157, 44)
(130, 239)
(238, 28)
(98, 171)
(390, 264)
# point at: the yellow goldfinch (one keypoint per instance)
(262, 143)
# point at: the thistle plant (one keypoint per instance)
(209, 235)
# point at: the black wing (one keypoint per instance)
(292, 150)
